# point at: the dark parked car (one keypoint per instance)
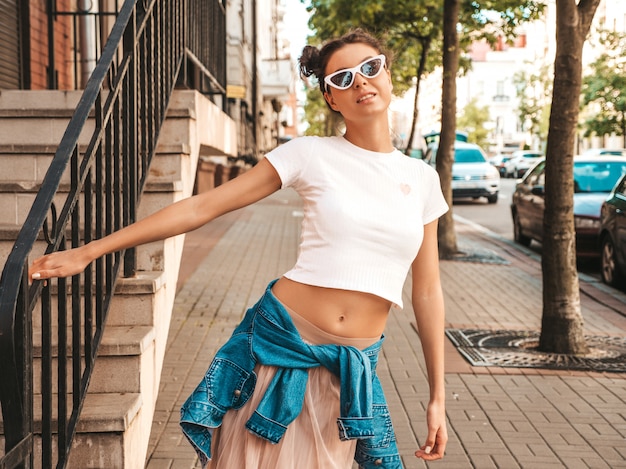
(613, 236)
(594, 178)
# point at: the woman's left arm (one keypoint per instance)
(427, 300)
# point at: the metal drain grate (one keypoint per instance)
(519, 349)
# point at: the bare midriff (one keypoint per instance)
(344, 313)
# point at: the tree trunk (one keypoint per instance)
(445, 152)
(420, 71)
(562, 321)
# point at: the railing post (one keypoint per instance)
(131, 180)
(51, 72)
(16, 386)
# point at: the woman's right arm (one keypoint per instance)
(180, 217)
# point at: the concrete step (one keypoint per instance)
(23, 102)
(41, 118)
(16, 198)
(38, 117)
(25, 164)
(124, 360)
(108, 429)
(14, 208)
(135, 302)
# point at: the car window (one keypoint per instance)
(621, 189)
(537, 176)
(597, 177)
(468, 155)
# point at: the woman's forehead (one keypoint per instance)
(349, 56)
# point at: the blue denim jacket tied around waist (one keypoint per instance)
(268, 336)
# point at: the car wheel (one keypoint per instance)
(493, 198)
(517, 233)
(609, 268)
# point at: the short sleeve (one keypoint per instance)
(435, 204)
(290, 159)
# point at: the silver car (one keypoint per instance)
(472, 175)
(520, 162)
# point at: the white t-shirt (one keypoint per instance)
(364, 213)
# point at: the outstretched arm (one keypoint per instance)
(427, 300)
(180, 217)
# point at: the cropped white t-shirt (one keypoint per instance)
(364, 213)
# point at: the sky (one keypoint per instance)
(295, 26)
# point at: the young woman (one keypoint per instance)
(295, 386)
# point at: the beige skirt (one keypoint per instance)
(311, 440)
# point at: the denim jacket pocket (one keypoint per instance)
(379, 451)
(384, 435)
(229, 385)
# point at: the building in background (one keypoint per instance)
(491, 81)
(263, 103)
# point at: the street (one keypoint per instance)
(497, 218)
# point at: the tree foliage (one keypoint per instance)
(604, 88)
(472, 120)
(534, 90)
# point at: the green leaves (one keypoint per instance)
(604, 88)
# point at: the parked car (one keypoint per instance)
(605, 151)
(594, 178)
(472, 175)
(499, 162)
(613, 236)
(520, 162)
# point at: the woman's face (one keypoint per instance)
(366, 97)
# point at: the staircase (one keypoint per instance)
(115, 422)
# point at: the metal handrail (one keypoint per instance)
(126, 97)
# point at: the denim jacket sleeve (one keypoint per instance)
(203, 411)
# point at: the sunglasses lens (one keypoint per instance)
(371, 68)
(342, 80)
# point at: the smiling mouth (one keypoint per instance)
(367, 96)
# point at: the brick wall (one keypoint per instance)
(39, 46)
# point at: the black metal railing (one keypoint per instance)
(126, 98)
(89, 30)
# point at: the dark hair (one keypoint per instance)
(313, 61)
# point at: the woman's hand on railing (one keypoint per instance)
(60, 264)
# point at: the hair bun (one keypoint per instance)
(310, 61)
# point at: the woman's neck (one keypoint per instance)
(373, 138)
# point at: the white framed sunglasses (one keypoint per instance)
(343, 79)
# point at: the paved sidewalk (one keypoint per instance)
(498, 417)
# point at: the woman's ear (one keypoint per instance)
(331, 102)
